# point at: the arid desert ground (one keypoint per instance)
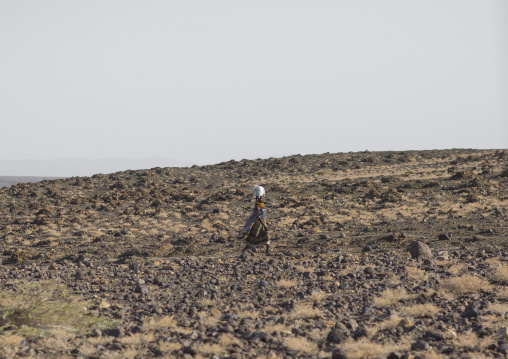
(374, 255)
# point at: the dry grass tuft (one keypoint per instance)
(210, 349)
(502, 294)
(305, 311)
(465, 284)
(389, 323)
(37, 308)
(471, 340)
(228, 340)
(286, 283)
(318, 296)
(416, 273)
(365, 349)
(162, 323)
(420, 310)
(9, 345)
(276, 328)
(300, 344)
(500, 274)
(136, 339)
(390, 297)
(499, 308)
(455, 269)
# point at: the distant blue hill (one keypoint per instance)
(72, 167)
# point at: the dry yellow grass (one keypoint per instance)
(465, 284)
(318, 296)
(209, 320)
(416, 273)
(252, 314)
(276, 328)
(211, 349)
(286, 283)
(455, 269)
(365, 349)
(420, 310)
(207, 302)
(305, 311)
(388, 323)
(499, 308)
(162, 323)
(228, 340)
(470, 339)
(170, 346)
(502, 293)
(300, 344)
(500, 274)
(9, 344)
(303, 269)
(137, 339)
(390, 297)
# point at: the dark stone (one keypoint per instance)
(360, 332)
(336, 336)
(444, 237)
(420, 250)
(339, 354)
(79, 275)
(367, 248)
(309, 275)
(117, 332)
(394, 355)
(191, 350)
(420, 345)
(352, 325)
(471, 311)
(141, 289)
(368, 270)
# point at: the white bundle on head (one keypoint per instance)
(258, 191)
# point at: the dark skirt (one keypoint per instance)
(258, 234)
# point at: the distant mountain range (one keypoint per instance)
(71, 167)
(6, 181)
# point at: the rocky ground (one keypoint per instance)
(374, 254)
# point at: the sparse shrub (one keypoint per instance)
(390, 297)
(365, 349)
(318, 296)
(500, 274)
(305, 311)
(286, 283)
(37, 307)
(300, 344)
(471, 340)
(420, 310)
(162, 323)
(465, 284)
(416, 273)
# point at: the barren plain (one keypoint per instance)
(374, 255)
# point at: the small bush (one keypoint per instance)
(465, 284)
(500, 274)
(285, 283)
(37, 307)
(420, 310)
(305, 311)
(389, 297)
(416, 273)
(300, 344)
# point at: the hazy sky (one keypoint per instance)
(210, 81)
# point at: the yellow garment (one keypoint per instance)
(260, 205)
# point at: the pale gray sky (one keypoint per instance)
(210, 81)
